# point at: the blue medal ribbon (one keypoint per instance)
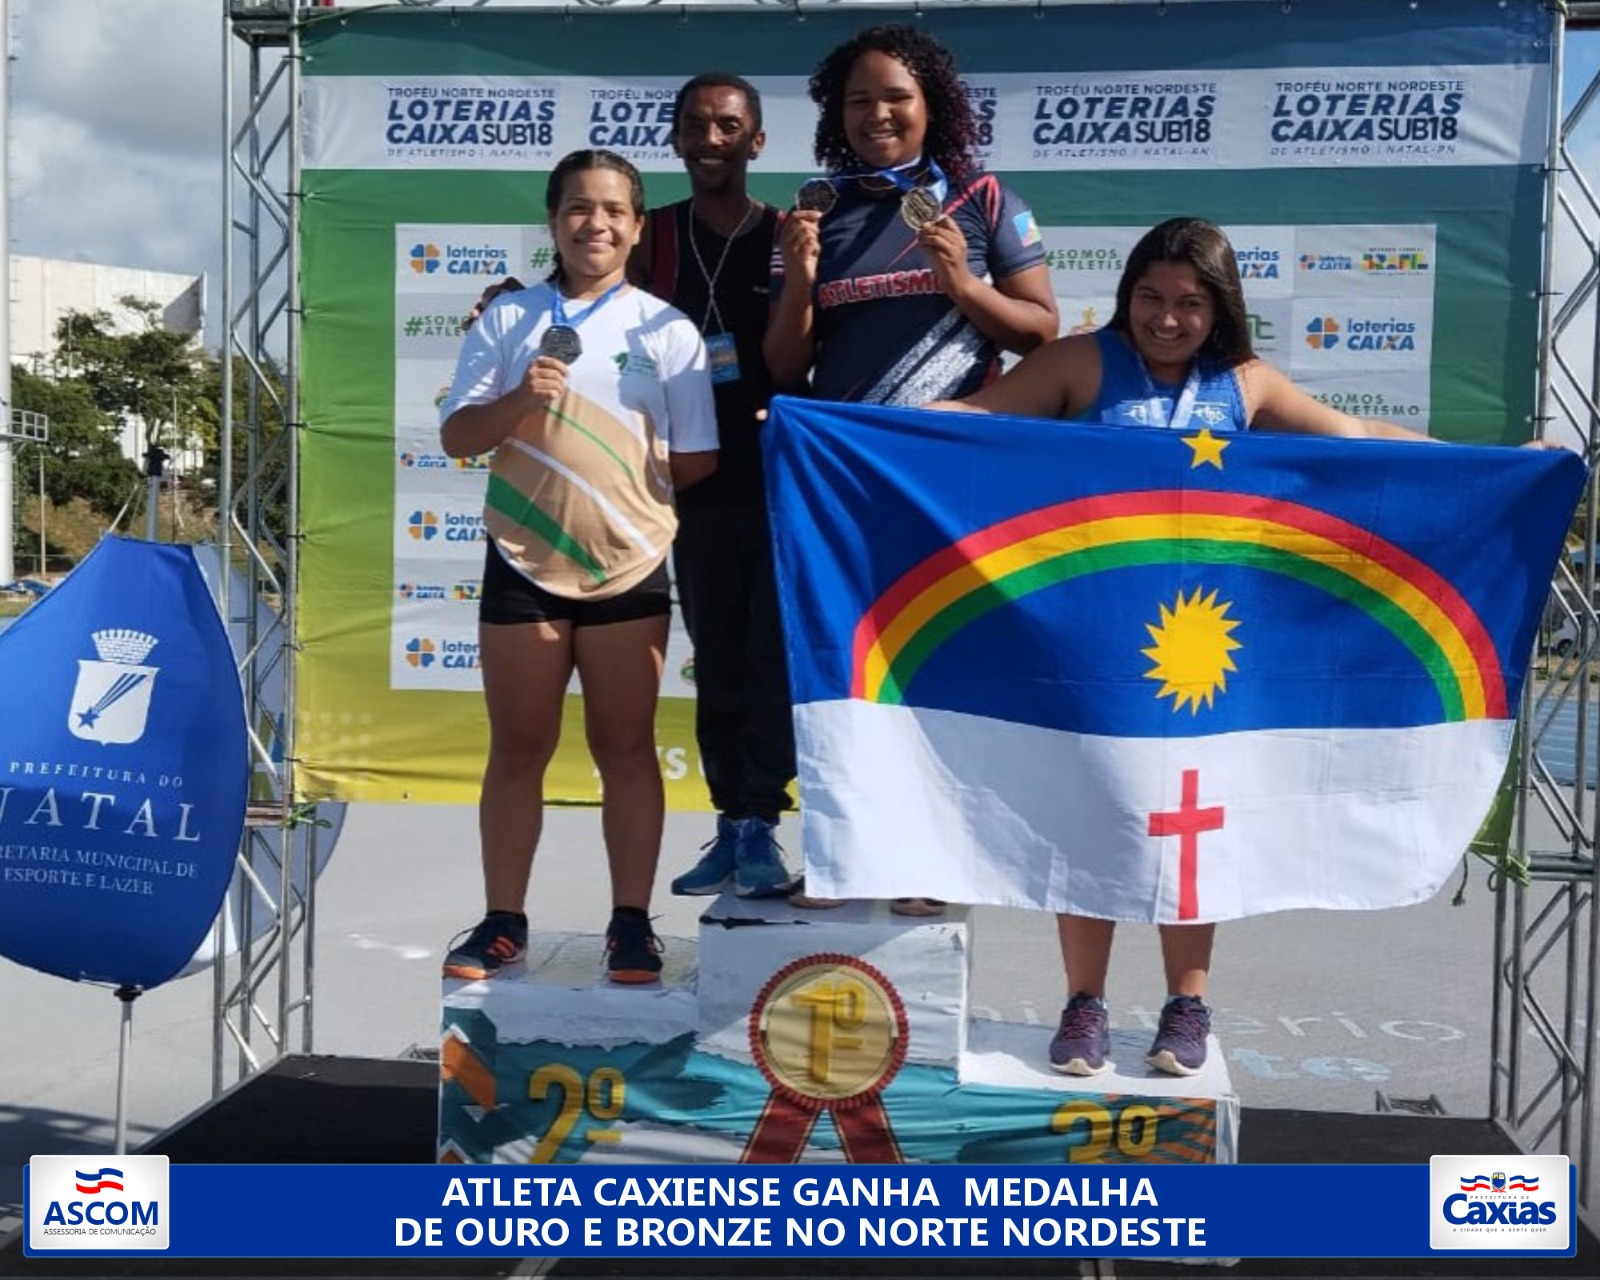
(901, 177)
(558, 307)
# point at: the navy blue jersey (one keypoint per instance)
(885, 334)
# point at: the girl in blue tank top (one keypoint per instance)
(1177, 356)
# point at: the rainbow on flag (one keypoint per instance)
(1150, 675)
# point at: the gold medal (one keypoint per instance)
(919, 207)
(829, 1033)
(829, 1029)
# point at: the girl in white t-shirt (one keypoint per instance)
(595, 398)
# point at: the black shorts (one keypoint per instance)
(510, 600)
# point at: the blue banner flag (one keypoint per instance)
(123, 768)
(1145, 674)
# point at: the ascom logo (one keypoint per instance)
(1322, 334)
(421, 652)
(424, 258)
(121, 1206)
(423, 525)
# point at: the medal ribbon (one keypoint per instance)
(862, 1124)
(1182, 408)
(901, 177)
(558, 306)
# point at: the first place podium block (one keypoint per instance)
(790, 1035)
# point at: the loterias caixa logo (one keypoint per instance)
(97, 1202)
(1500, 1202)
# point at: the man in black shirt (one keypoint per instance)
(710, 256)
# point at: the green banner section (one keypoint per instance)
(1377, 166)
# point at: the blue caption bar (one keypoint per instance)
(960, 1211)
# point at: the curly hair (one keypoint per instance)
(952, 130)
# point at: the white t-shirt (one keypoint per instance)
(579, 500)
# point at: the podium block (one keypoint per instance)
(794, 1036)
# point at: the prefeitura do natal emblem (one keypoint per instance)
(111, 700)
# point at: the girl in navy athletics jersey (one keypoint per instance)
(868, 308)
(924, 269)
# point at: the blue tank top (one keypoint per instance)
(1129, 397)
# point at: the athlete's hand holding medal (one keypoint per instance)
(921, 208)
(942, 240)
(800, 237)
(546, 378)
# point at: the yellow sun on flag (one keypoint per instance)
(1192, 644)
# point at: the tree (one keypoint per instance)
(83, 458)
(153, 375)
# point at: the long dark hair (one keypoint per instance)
(1199, 244)
(952, 131)
(580, 162)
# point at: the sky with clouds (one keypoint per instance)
(116, 132)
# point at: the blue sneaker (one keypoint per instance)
(758, 862)
(711, 873)
(1179, 1048)
(1083, 1039)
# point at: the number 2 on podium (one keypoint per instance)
(602, 1097)
(1133, 1130)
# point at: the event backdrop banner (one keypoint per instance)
(1377, 164)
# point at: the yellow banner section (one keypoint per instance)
(449, 770)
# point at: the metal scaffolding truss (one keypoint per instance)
(262, 989)
(1543, 1068)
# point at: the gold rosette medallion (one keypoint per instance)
(829, 1033)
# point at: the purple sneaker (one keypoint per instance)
(1083, 1039)
(1179, 1048)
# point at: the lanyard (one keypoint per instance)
(713, 312)
(1182, 410)
(558, 306)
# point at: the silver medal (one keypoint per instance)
(817, 196)
(561, 342)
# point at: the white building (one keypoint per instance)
(43, 290)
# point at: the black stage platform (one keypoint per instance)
(308, 1110)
